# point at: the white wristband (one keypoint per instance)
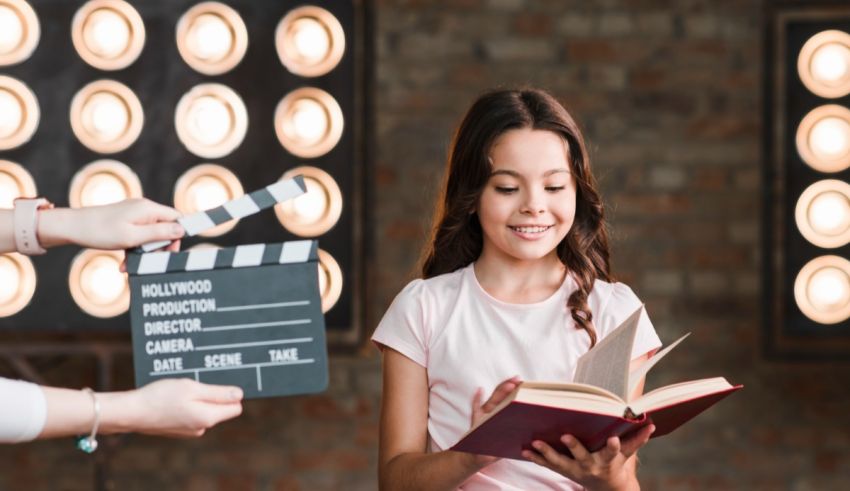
(25, 219)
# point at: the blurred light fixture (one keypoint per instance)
(211, 120)
(97, 284)
(308, 122)
(103, 182)
(316, 211)
(19, 31)
(106, 116)
(310, 41)
(207, 186)
(17, 283)
(19, 113)
(823, 138)
(330, 280)
(212, 38)
(824, 64)
(15, 182)
(823, 213)
(822, 289)
(108, 34)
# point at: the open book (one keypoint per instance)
(595, 406)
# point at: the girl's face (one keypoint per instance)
(529, 203)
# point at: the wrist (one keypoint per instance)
(116, 412)
(55, 227)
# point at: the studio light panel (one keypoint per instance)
(807, 206)
(190, 104)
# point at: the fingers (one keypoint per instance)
(157, 231)
(502, 390)
(476, 406)
(222, 412)
(575, 447)
(630, 445)
(221, 394)
(152, 211)
(548, 457)
(611, 449)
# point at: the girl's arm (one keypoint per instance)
(403, 461)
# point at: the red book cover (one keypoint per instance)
(514, 427)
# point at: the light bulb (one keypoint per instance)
(210, 38)
(207, 193)
(828, 289)
(830, 137)
(11, 114)
(830, 62)
(11, 30)
(107, 33)
(312, 205)
(829, 213)
(210, 120)
(10, 279)
(109, 116)
(103, 279)
(103, 189)
(310, 39)
(323, 279)
(309, 120)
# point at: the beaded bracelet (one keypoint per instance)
(88, 444)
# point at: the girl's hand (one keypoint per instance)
(480, 411)
(604, 469)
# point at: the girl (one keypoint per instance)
(515, 286)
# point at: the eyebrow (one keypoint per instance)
(512, 173)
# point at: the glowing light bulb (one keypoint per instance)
(312, 205)
(829, 213)
(109, 116)
(103, 189)
(830, 137)
(103, 279)
(310, 39)
(9, 190)
(210, 120)
(210, 38)
(831, 62)
(310, 121)
(108, 33)
(11, 114)
(207, 192)
(828, 289)
(324, 279)
(11, 30)
(10, 279)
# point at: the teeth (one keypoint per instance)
(530, 230)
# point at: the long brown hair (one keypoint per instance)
(456, 237)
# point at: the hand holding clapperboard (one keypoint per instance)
(249, 315)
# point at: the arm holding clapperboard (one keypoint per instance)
(169, 407)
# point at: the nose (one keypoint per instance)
(533, 204)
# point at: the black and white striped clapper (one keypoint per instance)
(238, 208)
(249, 316)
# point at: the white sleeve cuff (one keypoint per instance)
(23, 411)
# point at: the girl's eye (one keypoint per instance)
(554, 189)
(505, 190)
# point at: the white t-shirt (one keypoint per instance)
(23, 411)
(467, 339)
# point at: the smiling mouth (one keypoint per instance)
(530, 230)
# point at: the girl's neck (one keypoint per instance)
(516, 281)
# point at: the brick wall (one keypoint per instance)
(669, 94)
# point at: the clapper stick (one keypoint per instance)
(241, 207)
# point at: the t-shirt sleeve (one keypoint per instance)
(621, 304)
(22, 412)
(403, 327)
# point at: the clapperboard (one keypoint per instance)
(249, 315)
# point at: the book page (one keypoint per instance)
(606, 365)
(644, 368)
